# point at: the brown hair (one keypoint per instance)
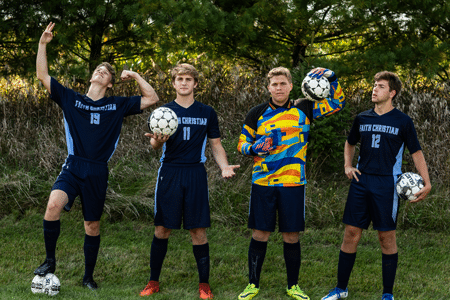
(185, 69)
(394, 82)
(280, 71)
(110, 70)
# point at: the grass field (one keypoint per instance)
(122, 269)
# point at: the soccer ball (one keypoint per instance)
(163, 120)
(37, 284)
(315, 89)
(48, 284)
(408, 184)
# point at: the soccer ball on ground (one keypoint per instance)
(408, 184)
(163, 120)
(48, 284)
(37, 284)
(315, 89)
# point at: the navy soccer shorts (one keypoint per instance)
(87, 179)
(265, 201)
(374, 199)
(181, 196)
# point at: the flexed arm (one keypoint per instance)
(149, 96)
(41, 59)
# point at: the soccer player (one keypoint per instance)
(383, 133)
(275, 134)
(181, 188)
(92, 123)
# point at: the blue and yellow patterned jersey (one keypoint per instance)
(285, 165)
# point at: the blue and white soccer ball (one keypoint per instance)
(48, 284)
(315, 89)
(408, 184)
(163, 120)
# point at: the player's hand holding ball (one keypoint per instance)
(328, 74)
(159, 137)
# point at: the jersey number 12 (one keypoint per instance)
(376, 140)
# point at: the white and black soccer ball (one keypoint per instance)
(163, 120)
(37, 284)
(408, 184)
(48, 284)
(315, 89)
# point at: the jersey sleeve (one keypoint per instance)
(213, 131)
(354, 135)
(132, 105)
(411, 140)
(248, 132)
(58, 91)
(329, 106)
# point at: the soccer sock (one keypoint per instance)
(256, 255)
(389, 269)
(292, 258)
(91, 247)
(201, 254)
(51, 234)
(345, 266)
(157, 255)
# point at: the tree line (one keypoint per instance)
(356, 38)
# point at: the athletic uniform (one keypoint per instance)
(383, 140)
(181, 194)
(278, 178)
(92, 133)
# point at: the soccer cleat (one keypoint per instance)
(387, 297)
(151, 288)
(48, 266)
(250, 291)
(336, 293)
(90, 284)
(205, 291)
(296, 293)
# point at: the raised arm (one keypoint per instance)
(149, 96)
(221, 158)
(41, 60)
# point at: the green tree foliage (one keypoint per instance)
(87, 32)
(427, 27)
(355, 38)
(264, 32)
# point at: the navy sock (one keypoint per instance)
(389, 269)
(51, 234)
(91, 247)
(201, 254)
(345, 266)
(256, 255)
(157, 255)
(292, 258)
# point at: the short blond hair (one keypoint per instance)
(279, 71)
(185, 69)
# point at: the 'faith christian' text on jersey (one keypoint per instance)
(92, 127)
(196, 124)
(383, 139)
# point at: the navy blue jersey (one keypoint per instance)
(92, 127)
(383, 139)
(196, 124)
